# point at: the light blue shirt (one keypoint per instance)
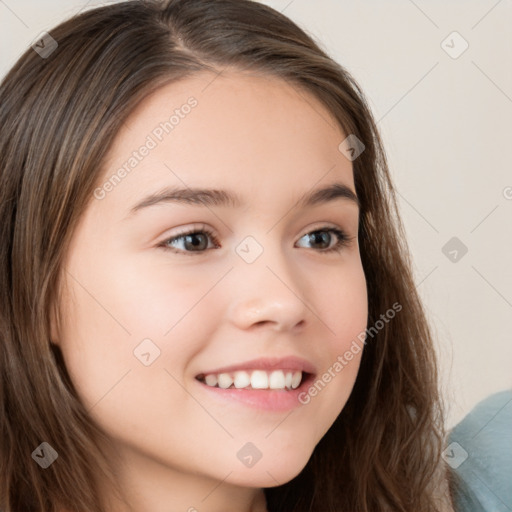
(480, 452)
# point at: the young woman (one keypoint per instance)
(206, 301)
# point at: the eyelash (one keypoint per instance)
(343, 240)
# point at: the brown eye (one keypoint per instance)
(196, 241)
(193, 241)
(324, 238)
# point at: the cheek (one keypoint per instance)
(155, 298)
(96, 347)
(107, 366)
(114, 315)
(345, 311)
(133, 300)
(344, 308)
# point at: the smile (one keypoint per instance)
(255, 379)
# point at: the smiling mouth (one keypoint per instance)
(255, 379)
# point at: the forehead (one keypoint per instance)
(257, 134)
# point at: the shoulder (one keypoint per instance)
(480, 453)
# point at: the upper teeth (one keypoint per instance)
(256, 379)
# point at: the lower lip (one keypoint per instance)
(264, 399)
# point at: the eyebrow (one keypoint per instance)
(214, 197)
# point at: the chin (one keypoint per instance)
(274, 471)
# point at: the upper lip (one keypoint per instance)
(291, 363)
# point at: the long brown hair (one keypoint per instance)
(58, 118)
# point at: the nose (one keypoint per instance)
(268, 292)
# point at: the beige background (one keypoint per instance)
(446, 124)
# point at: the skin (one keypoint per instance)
(176, 445)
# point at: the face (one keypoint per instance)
(196, 329)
